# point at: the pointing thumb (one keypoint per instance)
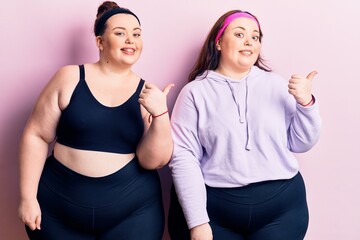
(311, 75)
(167, 88)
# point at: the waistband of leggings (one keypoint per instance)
(93, 191)
(256, 192)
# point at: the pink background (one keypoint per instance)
(40, 36)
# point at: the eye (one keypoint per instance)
(256, 38)
(137, 35)
(120, 34)
(239, 35)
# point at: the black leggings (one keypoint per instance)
(271, 210)
(124, 205)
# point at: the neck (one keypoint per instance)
(114, 69)
(232, 73)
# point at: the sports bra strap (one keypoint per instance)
(140, 86)
(82, 72)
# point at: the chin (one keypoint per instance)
(130, 62)
(247, 64)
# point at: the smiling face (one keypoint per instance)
(239, 46)
(121, 42)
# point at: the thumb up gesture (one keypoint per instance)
(153, 99)
(300, 87)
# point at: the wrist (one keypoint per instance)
(28, 199)
(158, 115)
(309, 103)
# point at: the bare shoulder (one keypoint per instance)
(64, 82)
(66, 75)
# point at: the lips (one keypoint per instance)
(128, 50)
(246, 52)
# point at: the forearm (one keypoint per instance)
(155, 148)
(32, 156)
(190, 188)
(305, 128)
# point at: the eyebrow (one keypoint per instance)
(244, 29)
(122, 28)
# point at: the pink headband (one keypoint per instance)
(231, 18)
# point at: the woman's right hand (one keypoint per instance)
(30, 213)
(201, 232)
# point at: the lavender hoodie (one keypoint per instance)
(230, 133)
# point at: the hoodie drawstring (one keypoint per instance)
(248, 142)
(242, 117)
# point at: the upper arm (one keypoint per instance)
(54, 97)
(184, 121)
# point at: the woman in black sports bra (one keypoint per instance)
(111, 131)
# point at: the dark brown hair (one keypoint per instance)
(102, 9)
(209, 56)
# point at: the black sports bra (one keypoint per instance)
(89, 125)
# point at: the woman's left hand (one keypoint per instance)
(153, 99)
(300, 87)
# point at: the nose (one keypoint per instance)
(129, 40)
(247, 43)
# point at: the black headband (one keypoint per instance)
(100, 24)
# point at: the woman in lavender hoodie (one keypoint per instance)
(235, 127)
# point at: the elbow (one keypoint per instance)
(299, 149)
(153, 166)
(149, 164)
(152, 159)
(300, 141)
(303, 146)
(155, 161)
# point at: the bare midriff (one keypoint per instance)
(91, 163)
